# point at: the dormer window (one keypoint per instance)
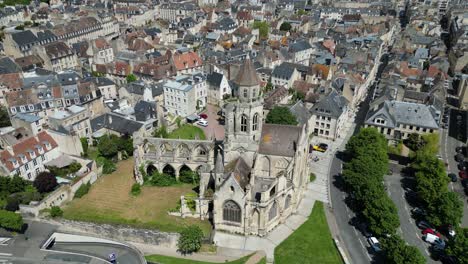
(23, 158)
(13, 110)
(31, 153)
(31, 107)
(39, 149)
(15, 163)
(47, 145)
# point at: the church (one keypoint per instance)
(258, 173)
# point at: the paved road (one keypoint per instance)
(449, 141)
(395, 184)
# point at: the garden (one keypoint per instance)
(186, 131)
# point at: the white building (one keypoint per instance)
(218, 87)
(329, 116)
(27, 157)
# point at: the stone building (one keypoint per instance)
(258, 174)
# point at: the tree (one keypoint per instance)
(107, 165)
(161, 132)
(285, 26)
(302, 12)
(190, 239)
(125, 143)
(397, 252)
(17, 184)
(382, 215)
(281, 115)
(188, 176)
(131, 78)
(55, 211)
(11, 220)
(85, 145)
(298, 96)
(263, 28)
(107, 146)
(45, 182)
(447, 210)
(414, 142)
(83, 190)
(4, 117)
(268, 87)
(431, 180)
(458, 245)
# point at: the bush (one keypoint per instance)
(12, 204)
(45, 182)
(162, 179)
(190, 239)
(83, 190)
(65, 171)
(161, 132)
(10, 220)
(55, 211)
(136, 189)
(85, 145)
(107, 165)
(312, 177)
(191, 177)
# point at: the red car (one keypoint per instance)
(430, 231)
(463, 175)
(204, 116)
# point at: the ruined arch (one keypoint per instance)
(166, 149)
(150, 169)
(183, 151)
(169, 170)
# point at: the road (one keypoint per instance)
(449, 141)
(396, 183)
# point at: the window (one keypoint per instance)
(244, 123)
(273, 211)
(287, 202)
(255, 122)
(245, 93)
(26, 166)
(231, 212)
(35, 162)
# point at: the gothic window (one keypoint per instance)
(244, 123)
(255, 122)
(273, 211)
(245, 93)
(231, 212)
(287, 202)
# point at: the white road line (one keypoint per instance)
(6, 254)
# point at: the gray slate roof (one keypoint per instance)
(332, 105)
(301, 112)
(116, 123)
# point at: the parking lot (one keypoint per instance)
(214, 128)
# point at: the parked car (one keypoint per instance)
(418, 212)
(453, 177)
(459, 149)
(204, 116)
(430, 231)
(202, 122)
(459, 157)
(463, 174)
(319, 148)
(464, 183)
(461, 165)
(424, 225)
(323, 146)
(433, 239)
(374, 243)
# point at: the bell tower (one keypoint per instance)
(244, 115)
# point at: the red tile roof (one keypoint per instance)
(25, 147)
(12, 81)
(187, 60)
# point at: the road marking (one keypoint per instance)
(6, 254)
(362, 244)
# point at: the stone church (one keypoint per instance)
(258, 174)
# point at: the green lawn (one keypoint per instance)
(310, 243)
(187, 132)
(172, 260)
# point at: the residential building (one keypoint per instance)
(218, 87)
(34, 124)
(329, 116)
(27, 158)
(179, 98)
(285, 75)
(73, 120)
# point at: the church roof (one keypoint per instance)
(247, 75)
(279, 140)
(240, 170)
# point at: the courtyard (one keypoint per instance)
(110, 201)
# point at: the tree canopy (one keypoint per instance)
(397, 252)
(45, 182)
(131, 78)
(281, 115)
(4, 117)
(285, 26)
(458, 245)
(263, 28)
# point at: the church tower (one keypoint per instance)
(244, 115)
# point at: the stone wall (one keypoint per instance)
(118, 233)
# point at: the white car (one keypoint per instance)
(374, 243)
(202, 122)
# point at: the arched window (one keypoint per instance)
(287, 202)
(273, 211)
(244, 123)
(255, 122)
(245, 93)
(231, 212)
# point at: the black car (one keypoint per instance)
(464, 182)
(424, 225)
(461, 165)
(459, 149)
(453, 177)
(323, 146)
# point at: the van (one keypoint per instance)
(431, 238)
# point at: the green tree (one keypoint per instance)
(382, 215)
(83, 190)
(85, 146)
(107, 165)
(397, 252)
(298, 96)
(302, 12)
(414, 142)
(431, 180)
(268, 87)
(161, 132)
(190, 239)
(285, 26)
(188, 176)
(55, 211)
(263, 28)
(11, 220)
(17, 184)
(131, 78)
(107, 146)
(4, 117)
(447, 210)
(458, 245)
(281, 115)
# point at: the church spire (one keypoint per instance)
(247, 76)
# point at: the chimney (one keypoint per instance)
(10, 149)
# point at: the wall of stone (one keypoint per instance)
(118, 233)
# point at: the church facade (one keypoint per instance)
(258, 173)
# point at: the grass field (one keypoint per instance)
(310, 243)
(188, 131)
(110, 201)
(172, 260)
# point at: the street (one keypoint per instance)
(396, 184)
